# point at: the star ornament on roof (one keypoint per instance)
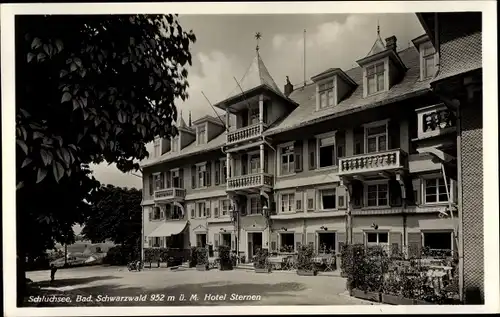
(258, 36)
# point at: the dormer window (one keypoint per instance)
(326, 94)
(254, 115)
(375, 78)
(175, 144)
(157, 148)
(428, 53)
(201, 134)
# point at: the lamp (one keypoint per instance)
(222, 229)
(284, 229)
(374, 226)
(323, 228)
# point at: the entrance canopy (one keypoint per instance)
(168, 229)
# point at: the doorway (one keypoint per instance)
(226, 239)
(326, 242)
(254, 244)
(201, 240)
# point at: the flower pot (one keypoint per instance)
(307, 273)
(202, 267)
(396, 300)
(421, 302)
(371, 296)
(226, 267)
(263, 270)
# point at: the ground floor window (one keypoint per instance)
(377, 195)
(377, 238)
(438, 242)
(287, 242)
(225, 239)
(201, 240)
(326, 242)
(156, 242)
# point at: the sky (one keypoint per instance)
(225, 48)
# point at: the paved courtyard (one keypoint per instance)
(162, 286)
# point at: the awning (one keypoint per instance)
(168, 229)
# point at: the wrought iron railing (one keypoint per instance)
(170, 194)
(378, 161)
(250, 181)
(245, 133)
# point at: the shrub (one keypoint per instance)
(304, 259)
(261, 259)
(193, 257)
(121, 255)
(226, 262)
(201, 256)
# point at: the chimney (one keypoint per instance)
(189, 118)
(390, 43)
(288, 87)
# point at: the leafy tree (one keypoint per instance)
(88, 89)
(116, 216)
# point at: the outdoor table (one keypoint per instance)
(276, 261)
(446, 269)
(435, 279)
(213, 261)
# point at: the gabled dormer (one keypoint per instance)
(332, 86)
(207, 128)
(382, 67)
(428, 56)
(160, 146)
(185, 137)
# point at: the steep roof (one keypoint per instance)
(256, 75)
(377, 47)
(306, 113)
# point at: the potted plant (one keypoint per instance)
(226, 262)
(202, 259)
(363, 269)
(261, 263)
(193, 257)
(305, 265)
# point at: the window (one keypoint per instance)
(224, 207)
(201, 240)
(158, 181)
(287, 242)
(377, 195)
(254, 164)
(176, 180)
(156, 242)
(176, 213)
(175, 144)
(376, 139)
(375, 78)
(202, 213)
(328, 199)
(326, 95)
(287, 160)
(202, 176)
(435, 190)
(157, 148)
(428, 61)
(201, 135)
(327, 151)
(255, 205)
(156, 213)
(377, 238)
(287, 201)
(253, 115)
(438, 241)
(223, 171)
(326, 242)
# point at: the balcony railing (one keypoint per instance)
(245, 133)
(435, 120)
(372, 162)
(170, 194)
(250, 181)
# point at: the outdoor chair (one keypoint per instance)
(329, 263)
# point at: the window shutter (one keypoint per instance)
(150, 242)
(417, 194)
(193, 176)
(298, 241)
(414, 244)
(274, 242)
(396, 240)
(311, 239)
(357, 193)
(217, 172)
(297, 148)
(209, 173)
(216, 240)
(181, 177)
(359, 140)
(298, 203)
(340, 240)
(150, 214)
(394, 193)
(216, 212)
(169, 179)
(207, 212)
(358, 238)
(193, 215)
(162, 180)
(312, 154)
(151, 186)
(244, 164)
(393, 134)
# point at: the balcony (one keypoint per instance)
(249, 182)
(373, 163)
(434, 121)
(245, 134)
(170, 194)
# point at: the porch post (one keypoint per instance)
(228, 166)
(262, 161)
(261, 109)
